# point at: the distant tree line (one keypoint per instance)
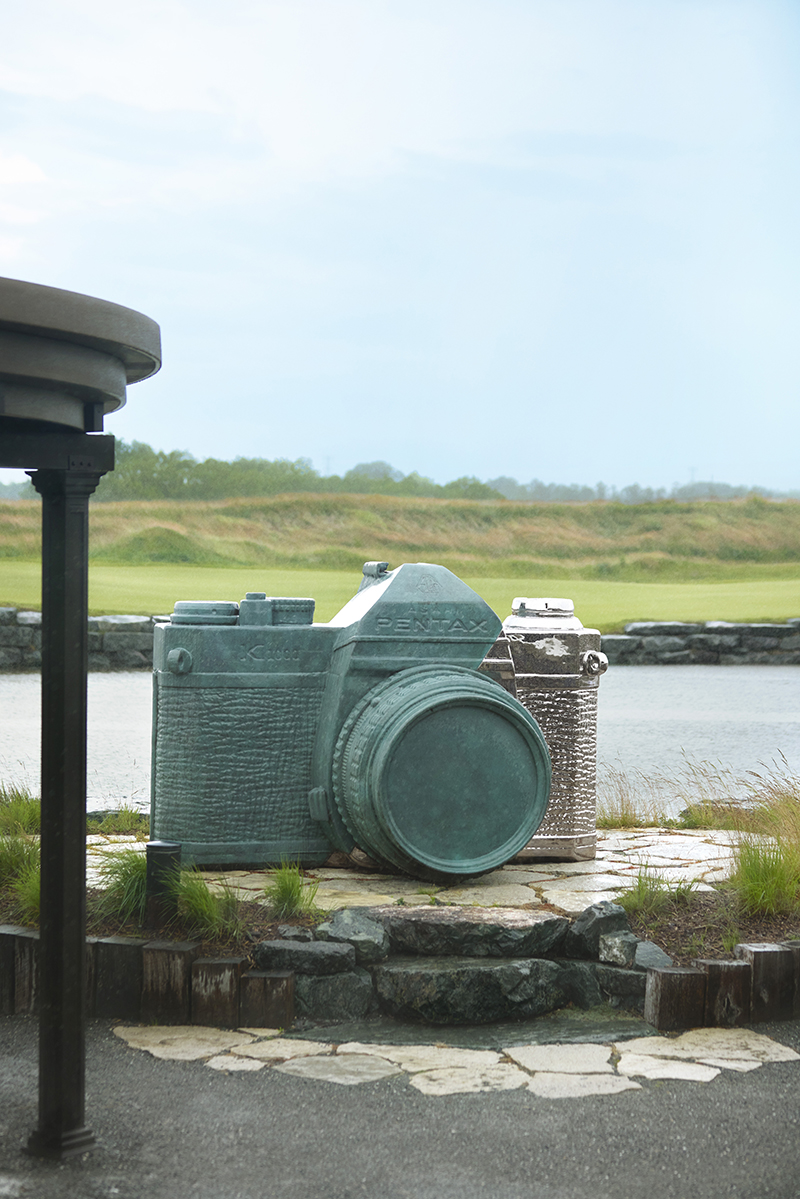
(143, 473)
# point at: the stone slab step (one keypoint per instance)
(478, 990)
(471, 932)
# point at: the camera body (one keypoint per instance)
(278, 739)
(552, 664)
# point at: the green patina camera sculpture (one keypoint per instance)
(275, 738)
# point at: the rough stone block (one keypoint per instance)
(728, 988)
(473, 932)
(8, 616)
(130, 659)
(650, 956)
(334, 997)
(311, 957)
(118, 977)
(99, 662)
(760, 643)
(772, 994)
(618, 646)
(114, 643)
(215, 991)
(167, 980)
(17, 636)
(664, 645)
(714, 641)
(33, 619)
(26, 972)
(266, 998)
(578, 980)
(295, 932)
(31, 659)
(662, 628)
(367, 936)
(675, 997)
(622, 987)
(582, 938)
(120, 624)
(451, 990)
(705, 657)
(10, 659)
(619, 949)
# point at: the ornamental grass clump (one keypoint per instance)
(766, 871)
(26, 890)
(123, 879)
(17, 853)
(210, 915)
(288, 894)
(19, 810)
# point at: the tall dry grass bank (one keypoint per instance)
(709, 540)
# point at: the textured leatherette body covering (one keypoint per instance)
(232, 742)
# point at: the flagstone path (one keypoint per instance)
(554, 1071)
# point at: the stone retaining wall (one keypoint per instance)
(712, 642)
(115, 642)
(126, 643)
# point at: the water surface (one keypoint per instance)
(651, 718)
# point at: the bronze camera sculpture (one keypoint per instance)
(278, 739)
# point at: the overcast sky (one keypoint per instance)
(539, 238)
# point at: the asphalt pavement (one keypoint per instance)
(180, 1130)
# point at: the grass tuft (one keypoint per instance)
(288, 894)
(647, 896)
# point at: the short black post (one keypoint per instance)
(62, 1004)
(163, 863)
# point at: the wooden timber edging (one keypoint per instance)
(167, 982)
(126, 643)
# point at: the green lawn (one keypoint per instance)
(605, 605)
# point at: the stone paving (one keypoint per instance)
(553, 1071)
(700, 858)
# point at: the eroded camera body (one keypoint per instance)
(552, 664)
(276, 738)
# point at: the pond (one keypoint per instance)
(651, 719)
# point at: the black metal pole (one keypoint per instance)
(62, 1005)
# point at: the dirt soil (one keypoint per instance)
(708, 924)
